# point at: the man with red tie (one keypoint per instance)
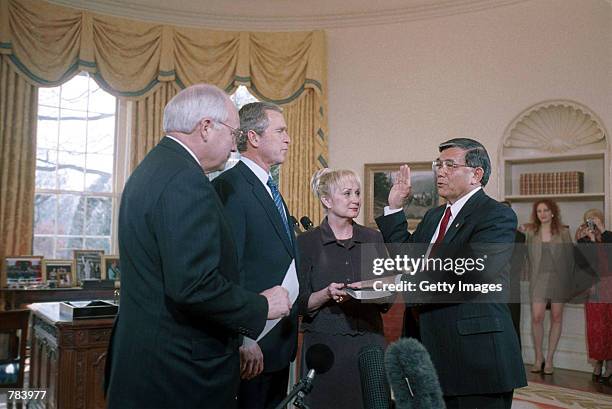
(467, 341)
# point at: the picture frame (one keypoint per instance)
(59, 273)
(22, 271)
(111, 269)
(378, 180)
(88, 265)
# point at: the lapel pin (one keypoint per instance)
(457, 225)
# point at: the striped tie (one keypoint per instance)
(279, 204)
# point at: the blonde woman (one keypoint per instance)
(331, 258)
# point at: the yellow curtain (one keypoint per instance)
(18, 111)
(146, 121)
(146, 63)
(307, 154)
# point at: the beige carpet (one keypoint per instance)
(540, 396)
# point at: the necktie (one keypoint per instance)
(279, 204)
(443, 225)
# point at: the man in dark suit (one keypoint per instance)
(472, 345)
(266, 247)
(175, 340)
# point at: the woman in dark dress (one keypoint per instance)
(331, 258)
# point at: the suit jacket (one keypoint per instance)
(265, 251)
(175, 339)
(473, 346)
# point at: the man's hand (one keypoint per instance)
(401, 188)
(278, 302)
(251, 360)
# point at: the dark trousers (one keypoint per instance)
(487, 401)
(264, 391)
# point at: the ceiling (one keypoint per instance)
(275, 15)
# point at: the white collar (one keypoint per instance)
(458, 205)
(184, 146)
(260, 172)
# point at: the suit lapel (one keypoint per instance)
(430, 225)
(468, 208)
(264, 199)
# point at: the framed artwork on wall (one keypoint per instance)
(378, 180)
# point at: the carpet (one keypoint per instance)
(540, 396)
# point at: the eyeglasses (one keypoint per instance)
(447, 164)
(236, 133)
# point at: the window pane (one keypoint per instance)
(74, 93)
(65, 245)
(48, 97)
(98, 244)
(47, 128)
(70, 173)
(73, 130)
(101, 101)
(101, 134)
(44, 213)
(99, 211)
(99, 173)
(43, 246)
(71, 214)
(45, 168)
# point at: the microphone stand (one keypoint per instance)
(301, 389)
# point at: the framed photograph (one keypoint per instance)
(378, 181)
(59, 273)
(88, 265)
(22, 271)
(110, 268)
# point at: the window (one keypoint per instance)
(75, 168)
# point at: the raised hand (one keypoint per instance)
(401, 188)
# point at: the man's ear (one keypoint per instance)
(253, 138)
(205, 126)
(478, 175)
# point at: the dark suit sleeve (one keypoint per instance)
(394, 228)
(190, 241)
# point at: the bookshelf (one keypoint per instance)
(549, 137)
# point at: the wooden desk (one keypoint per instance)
(68, 359)
(17, 298)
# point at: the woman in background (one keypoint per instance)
(599, 308)
(331, 257)
(551, 263)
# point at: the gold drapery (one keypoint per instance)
(146, 118)
(146, 63)
(307, 151)
(18, 111)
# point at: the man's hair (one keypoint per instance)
(189, 106)
(253, 117)
(476, 155)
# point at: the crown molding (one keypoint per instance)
(306, 20)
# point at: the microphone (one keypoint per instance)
(319, 359)
(306, 223)
(295, 225)
(412, 376)
(374, 387)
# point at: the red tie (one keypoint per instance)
(443, 225)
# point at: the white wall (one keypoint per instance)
(396, 91)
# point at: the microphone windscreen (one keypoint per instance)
(320, 358)
(306, 222)
(412, 376)
(374, 388)
(294, 221)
